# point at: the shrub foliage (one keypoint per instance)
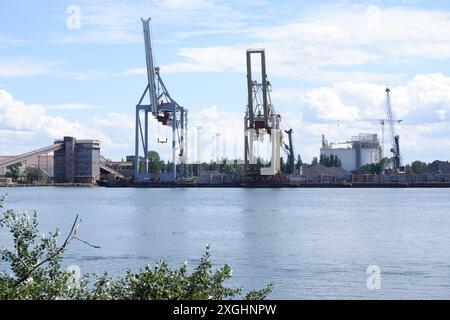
(34, 271)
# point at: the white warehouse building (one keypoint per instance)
(361, 150)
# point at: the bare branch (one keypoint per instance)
(89, 244)
(70, 237)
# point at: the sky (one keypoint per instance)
(329, 63)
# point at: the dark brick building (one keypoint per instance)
(77, 161)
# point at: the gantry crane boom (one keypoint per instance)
(150, 65)
(395, 138)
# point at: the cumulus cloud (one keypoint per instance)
(354, 35)
(212, 59)
(423, 104)
(213, 121)
(358, 34)
(66, 106)
(21, 67)
(29, 126)
(425, 98)
(113, 22)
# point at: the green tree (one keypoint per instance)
(327, 161)
(169, 166)
(195, 170)
(338, 162)
(238, 170)
(376, 168)
(34, 174)
(332, 162)
(213, 166)
(408, 169)
(13, 171)
(369, 168)
(418, 167)
(385, 163)
(282, 165)
(155, 164)
(314, 161)
(299, 162)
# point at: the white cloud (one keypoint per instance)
(29, 126)
(17, 115)
(22, 67)
(183, 4)
(135, 71)
(328, 105)
(220, 59)
(106, 22)
(422, 104)
(65, 106)
(442, 114)
(353, 35)
(365, 33)
(214, 120)
(213, 59)
(113, 22)
(30, 67)
(116, 133)
(423, 98)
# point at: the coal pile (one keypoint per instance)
(438, 167)
(319, 169)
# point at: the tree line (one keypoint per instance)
(31, 174)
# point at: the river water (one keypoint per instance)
(310, 243)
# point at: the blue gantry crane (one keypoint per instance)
(164, 109)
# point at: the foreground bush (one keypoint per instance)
(35, 271)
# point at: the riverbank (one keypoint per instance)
(304, 181)
(277, 185)
(296, 181)
(18, 185)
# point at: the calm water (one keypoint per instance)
(311, 243)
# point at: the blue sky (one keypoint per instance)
(327, 61)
